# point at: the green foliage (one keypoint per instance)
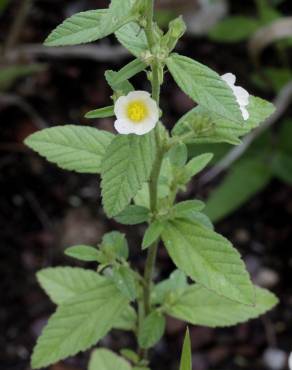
(79, 323)
(200, 306)
(71, 147)
(122, 88)
(170, 289)
(133, 38)
(152, 233)
(151, 330)
(209, 127)
(246, 178)
(196, 165)
(204, 86)
(104, 359)
(114, 247)
(178, 155)
(125, 280)
(130, 70)
(184, 209)
(186, 357)
(127, 320)
(9, 75)
(127, 165)
(133, 215)
(101, 112)
(83, 253)
(234, 29)
(209, 259)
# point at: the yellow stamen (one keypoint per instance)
(137, 111)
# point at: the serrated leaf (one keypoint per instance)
(208, 127)
(125, 280)
(204, 86)
(209, 259)
(65, 283)
(199, 306)
(127, 166)
(151, 330)
(104, 359)
(234, 29)
(127, 320)
(79, 323)
(101, 112)
(246, 178)
(186, 356)
(133, 38)
(83, 253)
(133, 215)
(152, 233)
(91, 25)
(71, 147)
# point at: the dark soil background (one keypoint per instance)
(43, 210)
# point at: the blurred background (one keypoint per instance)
(248, 191)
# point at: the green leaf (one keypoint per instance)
(199, 306)
(152, 234)
(234, 29)
(127, 320)
(208, 127)
(246, 178)
(125, 280)
(127, 72)
(187, 207)
(71, 147)
(133, 38)
(104, 359)
(83, 253)
(114, 245)
(197, 164)
(151, 330)
(209, 259)
(65, 283)
(178, 155)
(79, 323)
(169, 289)
(186, 357)
(101, 112)
(10, 74)
(91, 25)
(204, 86)
(133, 215)
(127, 165)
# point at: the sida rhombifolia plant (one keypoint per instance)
(143, 167)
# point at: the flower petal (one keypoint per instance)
(245, 113)
(229, 78)
(120, 107)
(123, 126)
(242, 95)
(138, 95)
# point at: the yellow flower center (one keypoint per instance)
(137, 111)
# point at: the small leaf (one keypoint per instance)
(200, 306)
(123, 88)
(209, 259)
(127, 72)
(114, 245)
(127, 166)
(152, 234)
(79, 323)
(197, 164)
(234, 29)
(245, 179)
(101, 112)
(151, 330)
(204, 86)
(178, 155)
(171, 288)
(127, 320)
(72, 148)
(184, 209)
(125, 280)
(133, 215)
(83, 253)
(133, 38)
(104, 359)
(65, 283)
(186, 357)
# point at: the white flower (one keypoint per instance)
(137, 113)
(242, 96)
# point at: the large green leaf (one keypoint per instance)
(204, 86)
(127, 165)
(209, 259)
(245, 179)
(91, 25)
(65, 283)
(234, 29)
(104, 359)
(200, 306)
(71, 147)
(79, 323)
(208, 127)
(133, 38)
